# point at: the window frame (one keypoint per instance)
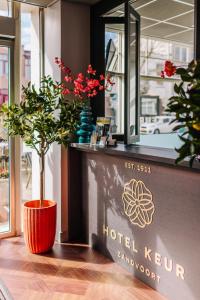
(119, 75)
(10, 36)
(98, 22)
(9, 43)
(105, 5)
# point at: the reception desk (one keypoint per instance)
(140, 210)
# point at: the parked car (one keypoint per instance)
(161, 124)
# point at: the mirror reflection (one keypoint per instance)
(114, 65)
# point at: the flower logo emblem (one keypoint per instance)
(138, 203)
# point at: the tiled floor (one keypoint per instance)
(69, 272)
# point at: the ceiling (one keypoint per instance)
(166, 19)
(87, 1)
(45, 3)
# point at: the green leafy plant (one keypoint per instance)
(186, 106)
(42, 118)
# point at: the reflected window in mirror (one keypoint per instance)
(114, 65)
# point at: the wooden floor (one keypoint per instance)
(70, 272)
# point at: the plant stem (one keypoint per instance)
(41, 175)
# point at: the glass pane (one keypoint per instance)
(6, 8)
(149, 106)
(114, 65)
(164, 36)
(4, 145)
(154, 66)
(29, 72)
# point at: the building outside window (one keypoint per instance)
(114, 52)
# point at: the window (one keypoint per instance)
(3, 63)
(6, 159)
(30, 71)
(27, 67)
(1, 67)
(149, 106)
(163, 37)
(28, 34)
(182, 54)
(6, 8)
(114, 56)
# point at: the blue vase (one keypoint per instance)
(85, 129)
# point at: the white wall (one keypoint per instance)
(53, 158)
(67, 35)
(35, 78)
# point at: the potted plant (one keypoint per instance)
(45, 116)
(185, 104)
(42, 118)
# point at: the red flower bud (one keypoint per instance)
(90, 70)
(65, 91)
(82, 86)
(169, 69)
(101, 87)
(68, 78)
(162, 74)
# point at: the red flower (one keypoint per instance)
(65, 91)
(169, 69)
(101, 87)
(68, 78)
(93, 83)
(79, 87)
(102, 77)
(90, 70)
(76, 92)
(66, 70)
(92, 94)
(82, 86)
(56, 60)
(109, 82)
(80, 77)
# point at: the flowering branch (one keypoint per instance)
(169, 69)
(80, 86)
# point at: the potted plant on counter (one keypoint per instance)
(185, 104)
(42, 118)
